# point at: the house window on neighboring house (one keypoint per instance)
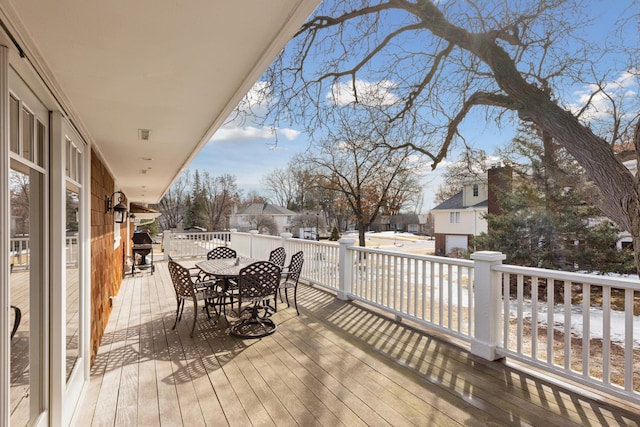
(475, 190)
(454, 217)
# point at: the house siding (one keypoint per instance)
(107, 263)
(471, 222)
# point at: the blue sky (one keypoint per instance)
(250, 152)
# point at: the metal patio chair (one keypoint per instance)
(290, 279)
(187, 288)
(257, 286)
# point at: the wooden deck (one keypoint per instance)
(335, 364)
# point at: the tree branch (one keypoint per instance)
(413, 95)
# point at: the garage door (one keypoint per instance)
(456, 242)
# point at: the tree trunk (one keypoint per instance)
(618, 186)
(361, 238)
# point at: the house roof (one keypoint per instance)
(177, 69)
(265, 209)
(457, 202)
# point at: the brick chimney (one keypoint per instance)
(499, 181)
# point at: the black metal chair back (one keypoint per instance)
(258, 281)
(291, 278)
(295, 267)
(278, 256)
(221, 252)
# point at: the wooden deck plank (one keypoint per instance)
(179, 372)
(106, 407)
(151, 324)
(366, 374)
(339, 363)
(381, 392)
(335, 364)
(506, 392)
(309, 368)
(271, 372)
(127, 403)
(443, 370)
(255, 378)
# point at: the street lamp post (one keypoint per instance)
(317, 224)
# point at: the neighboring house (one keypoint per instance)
(411, 223)
(251, 217)
(408, 222)
(460, 218)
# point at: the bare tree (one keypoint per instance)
(174, 202)
(281, 187)
(294, 187)
(252, 197)
(432, 66)
(219, 192)
(355, 162)
(20, 202)
(263, 223)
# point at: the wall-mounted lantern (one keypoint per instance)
(119, 210)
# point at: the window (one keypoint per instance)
(475, 190)
(454, 217)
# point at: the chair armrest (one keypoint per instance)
(207, 283)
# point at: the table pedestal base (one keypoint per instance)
(254, 326)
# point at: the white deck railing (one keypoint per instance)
(578, 326)
(594, 338)
(20, 251)
(433, 291)
(193, 245)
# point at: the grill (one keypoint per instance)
(142, 251)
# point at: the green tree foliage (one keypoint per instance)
(335, 234)
(549, 219)
(152, 227)
(196, 207)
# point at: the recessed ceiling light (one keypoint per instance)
(143, 134)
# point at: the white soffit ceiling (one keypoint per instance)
(177, 68)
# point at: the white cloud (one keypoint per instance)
(622, 89)
(290, 134)
(369, 93)
(242, 124)
(252, 133)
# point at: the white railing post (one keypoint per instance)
(166, 244)
(252, 234)
(286, 243)
(231, 241)
(345, 273)
(487, 304)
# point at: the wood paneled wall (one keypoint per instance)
(107, 262)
